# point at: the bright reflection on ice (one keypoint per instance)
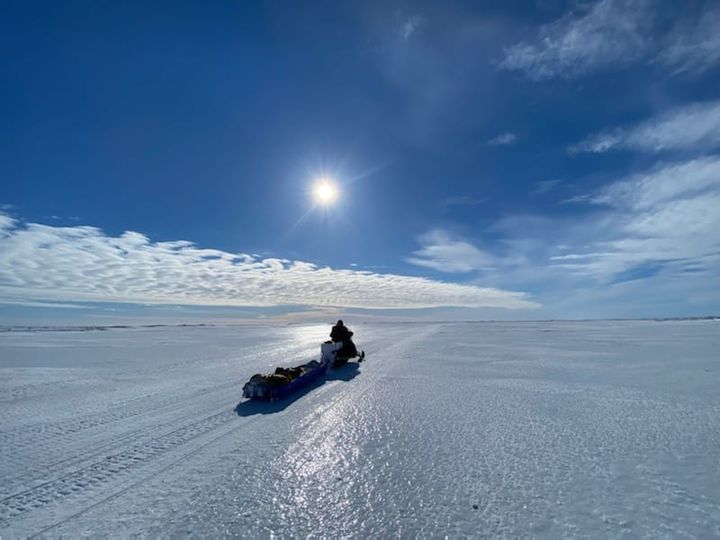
(316, 473)
(543, 429)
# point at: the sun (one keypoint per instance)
(325, 191)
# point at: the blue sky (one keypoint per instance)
(526, 160)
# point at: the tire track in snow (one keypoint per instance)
(61, 466)
(108, 468)
(120, 411)
(110, 472)
(141, 481)
(123, 409)
(45, 442)
(318, 402)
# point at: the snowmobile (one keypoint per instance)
(343, 354)
(284, 381)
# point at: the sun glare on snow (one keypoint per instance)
(325, 191)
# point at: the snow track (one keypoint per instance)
(103, 422)
(513, 429)
(104, 468)
(107, 453)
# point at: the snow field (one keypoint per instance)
(483, 429)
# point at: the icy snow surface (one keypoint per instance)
(553, 429)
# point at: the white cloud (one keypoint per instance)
(669, 215)
(611, 32)
(694, 47)
(30, 303)
(504, 139)
(646, 245)
(695, 126)
(410, 26)
(547, 185)
(40, 262)
(6, 224)
(684, 218)
(443, 253)
(618, 32)
(662, 185)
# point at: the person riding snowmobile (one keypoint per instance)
(342, 334)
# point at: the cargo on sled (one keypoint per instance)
(285, 381)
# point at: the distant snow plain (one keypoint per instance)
(532, 429)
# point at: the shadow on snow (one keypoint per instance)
(344, 373)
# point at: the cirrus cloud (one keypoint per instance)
(665, 217)
(504, 139)
(694, 126)
(609, 33)
(612, 31)
(41, 262)
(695, 45)
(646, 244)
(444, 253)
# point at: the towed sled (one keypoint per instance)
(285, 381)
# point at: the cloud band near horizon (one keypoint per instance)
(41, 262)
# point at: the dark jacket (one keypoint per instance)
(341, 333)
